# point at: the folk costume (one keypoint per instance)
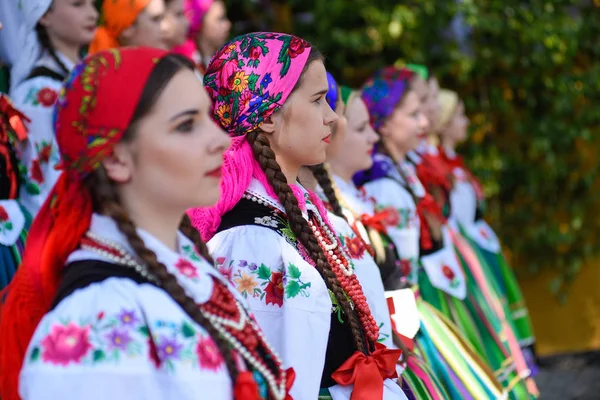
(85, 315)
(251, 236)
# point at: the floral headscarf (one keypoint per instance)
(333, 93)
(383, 92)
(93, 113)
(248, 80)
(117, 15)
(195, 11)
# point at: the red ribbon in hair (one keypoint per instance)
(86, 133)
(367, 372)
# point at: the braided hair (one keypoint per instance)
(106, 201)
(46, 44)
(265, 156)
(323, 178)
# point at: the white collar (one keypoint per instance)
(46, 60)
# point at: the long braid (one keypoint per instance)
(188, 230)
(46, 44)
(322, 176)
(266, 158)
(106, 199)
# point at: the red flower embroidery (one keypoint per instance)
(45, 153)
(100, 315)
(356, 247)
(3, 214)
(47, 97)
(484, 234)
(209, 355)
(186, 268)
(227, 272)
(406, 267)
(297, 47)
(255, 52)
(220, 260)
(36, 171)
(392, 216)
(448, 273)
(66, 344)
(274, 289)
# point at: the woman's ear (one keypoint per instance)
(119, 165)
(268, 125)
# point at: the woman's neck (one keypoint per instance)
(205, 49)
(307, 179)
(69, 51)
(343, 173)
(448, 144)
(398, 155)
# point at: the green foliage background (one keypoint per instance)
(529, 73)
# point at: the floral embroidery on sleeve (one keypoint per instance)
(5, 224)
(46, 97)
(268, 285)
(110, 339)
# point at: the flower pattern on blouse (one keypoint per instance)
(108, 339)
(401, 218)
(270, 286)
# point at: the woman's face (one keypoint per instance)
(403, 128)
(72, 22)
(457, 127)
(148, 28)
(174, 161)
(216, 26)
(357, 147)
(301, 131)
(338, 132)
(175, 24)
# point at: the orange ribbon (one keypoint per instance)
(367, 373)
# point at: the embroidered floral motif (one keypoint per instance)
(382, 336)
(3, 214)
(400, 218)
(5, 224)
(47, 97)
(36, 172)
(225, 270)
(451, 276)
(266, 221)
(271, 286)
(44, 151)
(406, 267)
(187, 269)
(107, 339)
(354, 246)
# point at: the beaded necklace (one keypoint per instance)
(223, 312)
(340, 264)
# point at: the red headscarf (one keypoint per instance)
(90, 119)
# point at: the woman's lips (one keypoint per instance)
(215, 173)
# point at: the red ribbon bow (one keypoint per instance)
(14, 117)
(367, 373)
(246, 387)
(379, 220)
(429, 205)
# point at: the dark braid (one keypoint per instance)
(322, 176)
(106, 200)
(46, 44)
(266, 158)
(192, 233)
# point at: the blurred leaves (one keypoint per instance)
(529, 73)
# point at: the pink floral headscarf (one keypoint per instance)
(194, 10)
(249, 79)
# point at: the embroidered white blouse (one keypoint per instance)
(295, 317)
(39, 154)
(97, 340)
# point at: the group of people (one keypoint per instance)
(186, 217)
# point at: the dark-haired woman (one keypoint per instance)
(272, 236)
(115, 298)
(50, 41)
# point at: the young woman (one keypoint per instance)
(208, 30)
(468, 207)
(55, 31)
(435, 343)
(116, 297)
(273, 236)
(130, 23)
(175, 24)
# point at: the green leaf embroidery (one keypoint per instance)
(99, 355)
(293, 271)
(32, 188)
(8, 226)
(264, 272)
(35, 354)
(144, 331)
(187, 330)
(292, 289)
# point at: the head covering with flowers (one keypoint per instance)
(93, 112)
(117, 15)
(383, 92)
(248, 79)
(195, 11)
(333, 93)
